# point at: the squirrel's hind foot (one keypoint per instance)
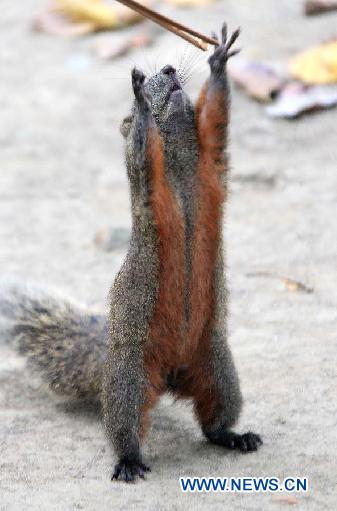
(246, 442)
(127, 470)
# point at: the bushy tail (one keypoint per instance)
(66, 343)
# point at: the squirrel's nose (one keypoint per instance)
(168, 70)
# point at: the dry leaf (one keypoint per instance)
(296, 99)
(93, 11)
(78, 17)
(295, 286)
(319, 6)
(316, 65)
(103, 16)
(259, 80)
(287, 499)
(109, 48)
(51, 22)
(291, 284)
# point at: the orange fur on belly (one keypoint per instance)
(208, 211)
(212, 122)
(171, 342)
(167, 324)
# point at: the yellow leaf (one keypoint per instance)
(316, 65)
(100, 14)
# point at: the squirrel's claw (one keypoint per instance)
(138, 79)
(224, 31)
(229, 43)
(221, 52)
(127, 470)
(215, 36)
(246, 442)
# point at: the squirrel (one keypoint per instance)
(167, 324)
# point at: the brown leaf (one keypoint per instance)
(78, 17)
(286, 499)
(295, 286)
(296, 99)
(291, 284)
(110, 48)
(103, 15)
(52, 22)
(259, 80)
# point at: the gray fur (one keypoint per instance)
(176, 122)
(225, 373)
(132, 300)
(134, 292)
(64, 341)
(70, 346)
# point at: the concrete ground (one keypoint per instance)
(62, 179)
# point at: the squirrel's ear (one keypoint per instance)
(125, 126)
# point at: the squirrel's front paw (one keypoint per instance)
(127, 469)
(138, 79)
(222, 52)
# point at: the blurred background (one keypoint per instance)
(65, 221)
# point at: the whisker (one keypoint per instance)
(182, 61)
(185, 60)
(191, 66)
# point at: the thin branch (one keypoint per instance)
(291, 284)
(192, 36)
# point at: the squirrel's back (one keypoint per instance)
(64, 341)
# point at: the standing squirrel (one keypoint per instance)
(168, 305)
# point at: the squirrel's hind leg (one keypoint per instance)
(129, 392)
(216, 395)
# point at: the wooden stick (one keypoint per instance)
(192, 36)
(319, 6)
(147, 12)
(196, 42)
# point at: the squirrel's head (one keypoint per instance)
(171, 107)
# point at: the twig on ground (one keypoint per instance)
(291, 284)
(319, 6)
